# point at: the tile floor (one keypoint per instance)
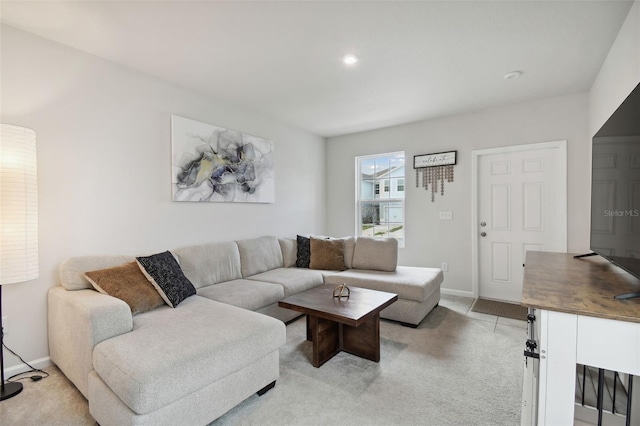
(487, 322)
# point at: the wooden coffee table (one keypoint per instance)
(346, 324)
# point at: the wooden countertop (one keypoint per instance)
(586, 286)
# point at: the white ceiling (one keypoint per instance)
(418, 59)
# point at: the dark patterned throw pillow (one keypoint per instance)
(304, 252)
(164, 272)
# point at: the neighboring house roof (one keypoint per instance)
(383, 173)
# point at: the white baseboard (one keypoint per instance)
(453, 292)
(22, 368)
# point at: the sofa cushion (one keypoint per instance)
(172, 353)
(72, 270)
(408, 282)
(294, 280)
(289, 248)
(327, 253)
(378, 254)
(247, 294)
(349, 248)
(163, 271)
(303, 251)
(259, 254)
(209, 264)
(128, 283)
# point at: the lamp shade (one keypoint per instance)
(18, 205)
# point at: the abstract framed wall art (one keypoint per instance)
(214, 164)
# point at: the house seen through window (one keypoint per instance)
(380, 196)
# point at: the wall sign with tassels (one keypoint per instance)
(431, 168)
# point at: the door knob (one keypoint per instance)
(483, 234)
(483, 224)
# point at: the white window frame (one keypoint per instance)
(359, 201)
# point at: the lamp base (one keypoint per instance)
(10, 390)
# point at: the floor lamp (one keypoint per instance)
(18, 220)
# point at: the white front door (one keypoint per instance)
(521, 205)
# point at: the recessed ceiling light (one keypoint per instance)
(349, 59)
(512, 75)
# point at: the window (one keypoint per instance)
(380, 196)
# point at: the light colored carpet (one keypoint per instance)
(53, 401)
(453, 369)
(501, 309)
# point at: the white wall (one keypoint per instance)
(619, 73)
(430, 241)
(574, 118)
(104, 165)
(103, 136)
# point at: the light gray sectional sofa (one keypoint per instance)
(192, 363)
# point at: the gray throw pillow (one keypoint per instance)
(289, 248)
(378, 254)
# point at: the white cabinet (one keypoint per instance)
(568, 339)
(580, 322)
(609, 344)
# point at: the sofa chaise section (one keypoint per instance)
(174, 356)
(418, 289)
(374, 266)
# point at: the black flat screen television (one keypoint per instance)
(615, 188)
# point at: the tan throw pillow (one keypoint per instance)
(327, 254)
(128, 283)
